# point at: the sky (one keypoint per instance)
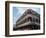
(18, 11)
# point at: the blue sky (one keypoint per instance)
(18, 11)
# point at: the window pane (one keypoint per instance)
(37, 20)
(29, 18)
(33, 19)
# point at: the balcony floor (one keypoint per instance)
(28, 27)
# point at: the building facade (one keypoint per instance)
(30, 20)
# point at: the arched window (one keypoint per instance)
(29, 18)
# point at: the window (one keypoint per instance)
(29, 11)
(33, 19)
(37, 20)
(29, 18)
